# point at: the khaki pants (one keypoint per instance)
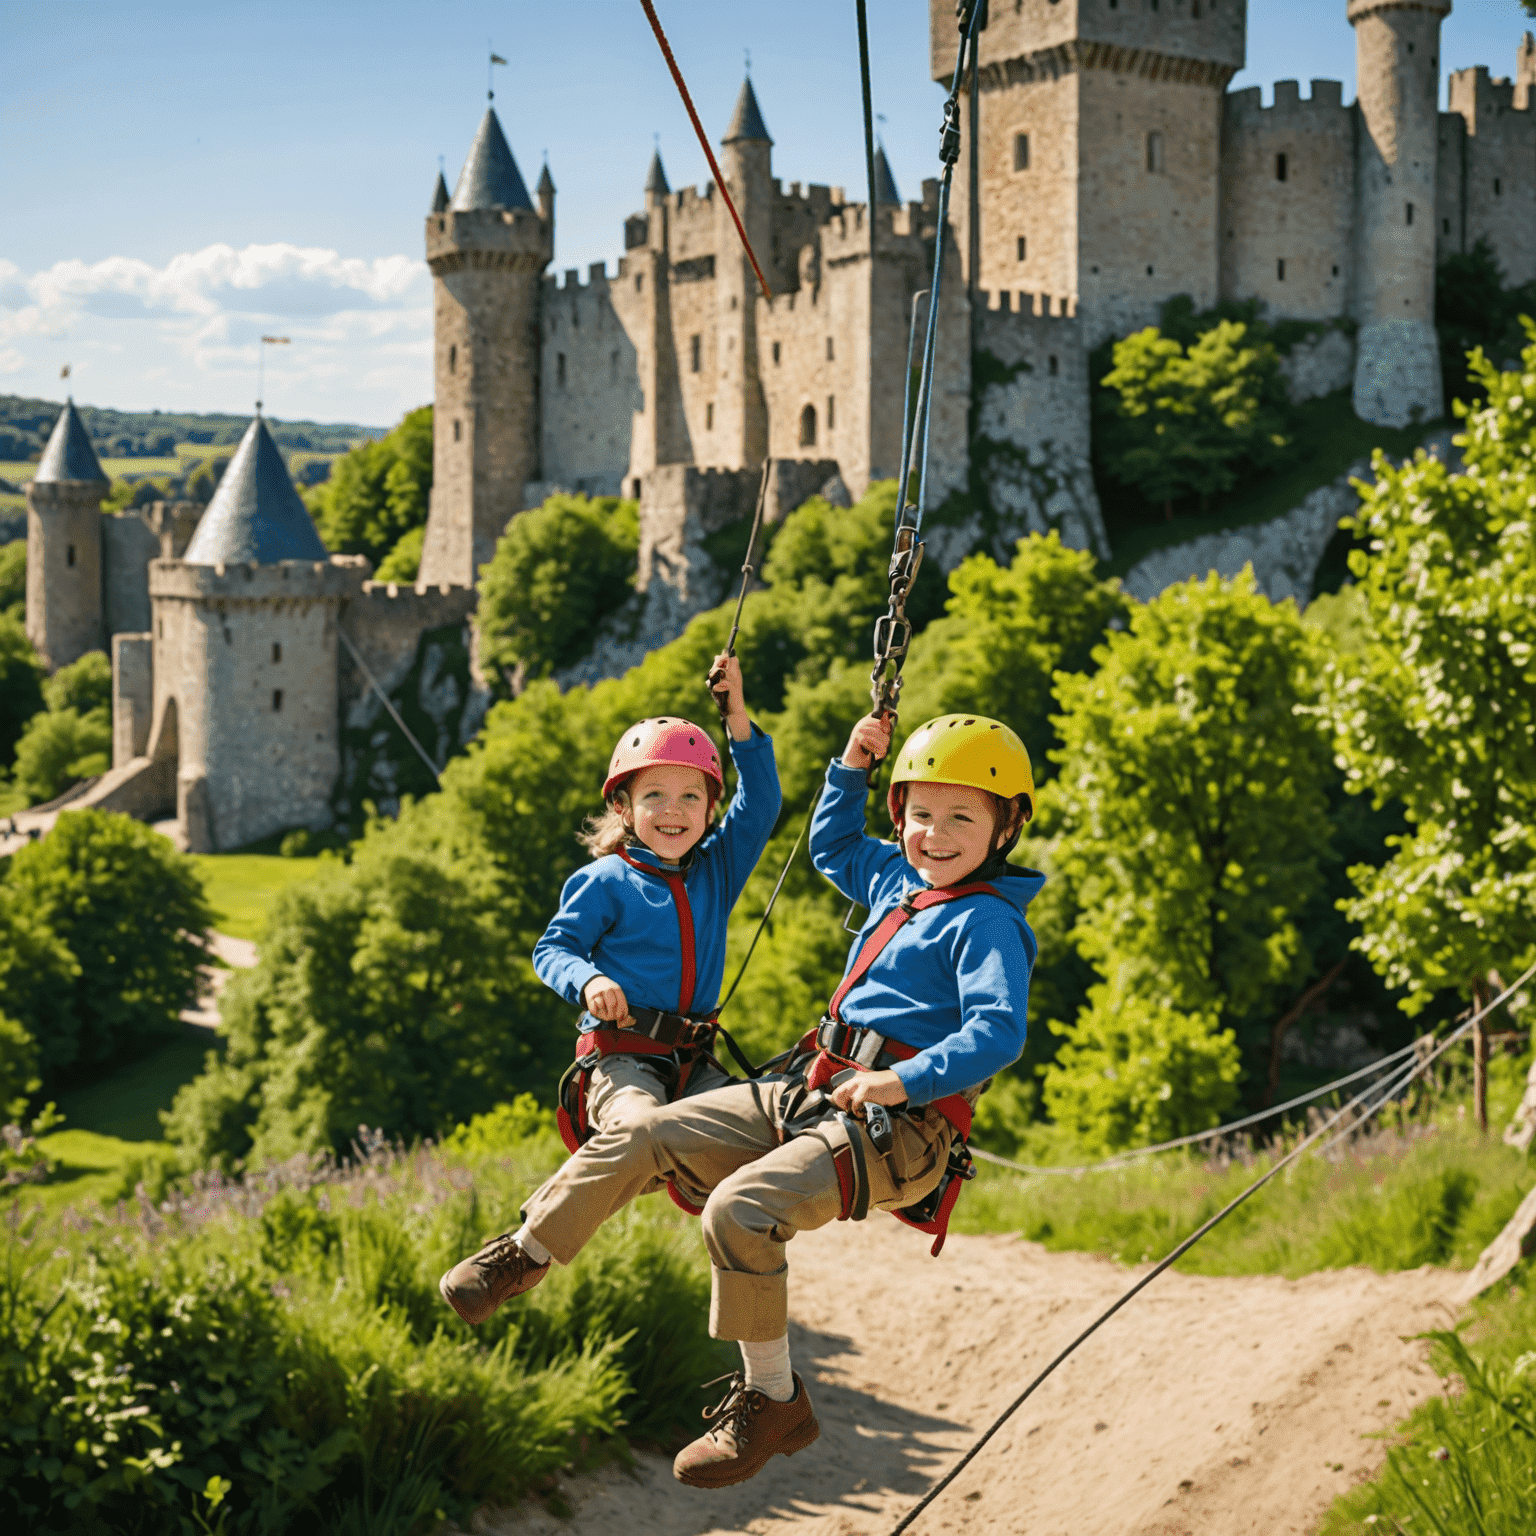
(623, 1088)
(722, 1148)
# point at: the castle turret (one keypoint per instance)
(64, 545)
(244, 667)
(487, 251)
(545, 191)
(1397, 53)
(655, 179)
(740, 436)
(886, 193)
(440, 195)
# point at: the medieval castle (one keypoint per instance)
(1115, 171)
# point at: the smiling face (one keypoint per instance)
(668, 809)
(949, 830)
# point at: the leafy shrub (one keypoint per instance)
(1133, 1072)
(557, 571)
(109, 904)
(1475, 310)
(403, 562)
(272, 1356)
(72, 740)
(13, 579)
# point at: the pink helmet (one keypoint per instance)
(667, 742)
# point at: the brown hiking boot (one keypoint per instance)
(749, 1427)
(476, 1286)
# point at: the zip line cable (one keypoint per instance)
(1407, 1075)
(1126, 1159)
(394, 713)
(698, 128)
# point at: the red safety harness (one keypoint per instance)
(833, 1047)
(681, 1037)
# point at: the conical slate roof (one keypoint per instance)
(546, 186)
(69, 455)
(255, 514)
(747, 119)
(490, 178)
(885, 182)
(440, 195)
(656, 177)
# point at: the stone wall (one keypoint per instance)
(1320, 365)
(1288, 242)
(128, 543)
(133, 694)
(64, 545)
(589, 388)
(386, 622)
(1488, 191)
(245, 693)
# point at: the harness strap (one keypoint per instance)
(680, 903)
(891, 924)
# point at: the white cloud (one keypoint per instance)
(185, 335)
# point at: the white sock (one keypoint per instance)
(767, 1368)
(531, 1246)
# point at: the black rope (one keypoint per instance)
(869, 115)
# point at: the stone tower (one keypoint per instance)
(741, 419)
(64, 545)
(487, 250)
(1100, 140)
(244, 659)
(1397, 54)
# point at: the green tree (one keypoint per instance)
(378, 492)
(200, 486)
(21, 685)
(13, 579)
(1439, 708)
(1189, 421)
(72, 739)
(1135, 1071)
(1474, 308)
(556, 572)
(403, 562)
(112, 901)
(1192, 798)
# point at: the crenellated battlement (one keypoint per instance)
(1476, 94)
(1247, 106)
(246, 581)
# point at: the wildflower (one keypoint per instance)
(1440, 1454)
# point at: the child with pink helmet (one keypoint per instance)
(639, 944)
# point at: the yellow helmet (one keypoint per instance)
(964, 749)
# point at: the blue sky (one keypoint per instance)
(181, 178)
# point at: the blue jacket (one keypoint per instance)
(954, 982)
(615, 921)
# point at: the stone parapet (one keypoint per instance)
(291, 580)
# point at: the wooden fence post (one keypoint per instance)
(1480, 1054)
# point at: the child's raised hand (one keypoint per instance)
(725, 677)
(604, 999)
(869, 741)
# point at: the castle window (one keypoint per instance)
(831, 412)
(455, 431)
(1155, 153)
(1410, 213)
(1054, 366)
(560, 369)
(1280, 269)
(693, 354)
(829, 349)
(1023, 247)
(162, 629)
(1194, 9)
(808, 427)
(613, 366)
(1154, 4)
(775, 353)
(1445, 222)
(440, 226)
(634, 486)
(1149, 269)
(1021, 151)
(453, 359)
(639, 281)
(709, 417)
(1335, 271)
(277, 699)
(1498, 191)
(1280, 167)
(277, 650)
(69, 555)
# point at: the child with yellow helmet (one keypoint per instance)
(873, 1106)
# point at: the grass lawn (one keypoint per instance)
(1332, 438)
(242, 887)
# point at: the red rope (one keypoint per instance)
(698, 128)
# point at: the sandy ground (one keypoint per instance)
(238, 954)
(1209, 1407)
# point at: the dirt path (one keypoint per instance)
(1171, 1421)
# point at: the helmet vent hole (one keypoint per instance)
(693, 741)
(930, 762)
(994, 773)
(636, 741)
(970, 722)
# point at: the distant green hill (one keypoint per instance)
(25, 425)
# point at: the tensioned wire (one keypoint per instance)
(1405, 1075)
